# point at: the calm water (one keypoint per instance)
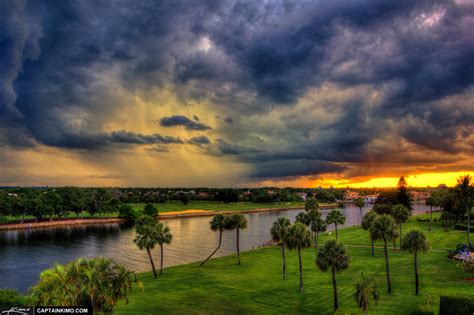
(24, 254)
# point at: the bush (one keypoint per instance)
(10, 298)
(456, 305)
(128, 214)
(3, 220)
(463, 227)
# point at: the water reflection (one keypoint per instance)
(24, 254)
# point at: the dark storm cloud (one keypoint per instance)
(62, 63)
(184, 121)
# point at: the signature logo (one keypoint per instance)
(17, 311)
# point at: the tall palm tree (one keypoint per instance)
(401, 214)
(318, 225)
(279, 231)
(464, 189)
(147, 237)
(163, 237)
(335, 216)
(333, 256)
(360, 203)
(367, 221)
(430, 201)
(298, 237)
(383, 228)
(237, 222)
(218, 223)
(312, 216)
(415, 241)
(365, 289)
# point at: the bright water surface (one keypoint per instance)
(24, 254)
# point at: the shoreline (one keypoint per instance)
(109, 220)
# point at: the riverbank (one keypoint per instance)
(163, 216)
(256, 286)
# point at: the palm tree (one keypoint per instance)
(318, 225)
(311, 204)
(383, 228)
(298, 237)
(430, 202)
(312, 216)
(415, 241)
(365, 289)
(464, 189)
(333, 255)
(238, 222)
(147, 237)
(279, 231)
(335, 216)
(163, 237)
(218, 223)
(303, 217)
(401, 214)
(367, 221)
(360, 203)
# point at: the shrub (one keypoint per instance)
(3, 220)
(10, 298)
(456, 305)
(463, 227)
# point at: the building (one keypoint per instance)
(302, 195)
(351, 195)
(420, 195)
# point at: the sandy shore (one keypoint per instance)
(163, 216)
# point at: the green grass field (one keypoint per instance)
(172, 206)
(222, 286)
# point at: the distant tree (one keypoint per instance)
(383, 228)
(128, 214)
(318, 225)
(311, 204)
(415, 242)
(298, 237)
(367, 221)
(184, 198)
(163, 236)
(447, 218)
(382, 208)
(360, 203)
(364, 290)
(238, 222)
(279, 231)
(218, 223)
(333, 256)
(150, 210)
(464, 190)
(147, 237)
(403, 197)
(335, 217)
(430, 202)
(401, 214)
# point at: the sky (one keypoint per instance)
(236, 93)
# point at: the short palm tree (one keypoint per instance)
(318, 225)
(333, 256)
(383, 228)
(237, 222)
(360, 203)
(147, 237)
(464, 189)
(279, 231)
(312, 216)
(401, 214)
(163, 237)
(415, 241)
(365, 289)
(335, 216)
(298, 237)
(367, 220)
(218, 223)
(303, 217)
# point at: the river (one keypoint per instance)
(24, 254)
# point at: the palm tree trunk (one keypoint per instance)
(372, 241)
(218, 246)
(335, 225)
(469, 226)
(389, 284)
(161, 259)
(238, 248)
(400, 235)
(301, 269)
(317, 237)
(334, 287)
(416, 274)
(151, 262)
(360, 216)
(284, 260)
(431, 218)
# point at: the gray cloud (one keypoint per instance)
(179, 120)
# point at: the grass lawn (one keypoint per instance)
(172, 206)
(222, 286)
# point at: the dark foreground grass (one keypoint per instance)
(222, 286)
